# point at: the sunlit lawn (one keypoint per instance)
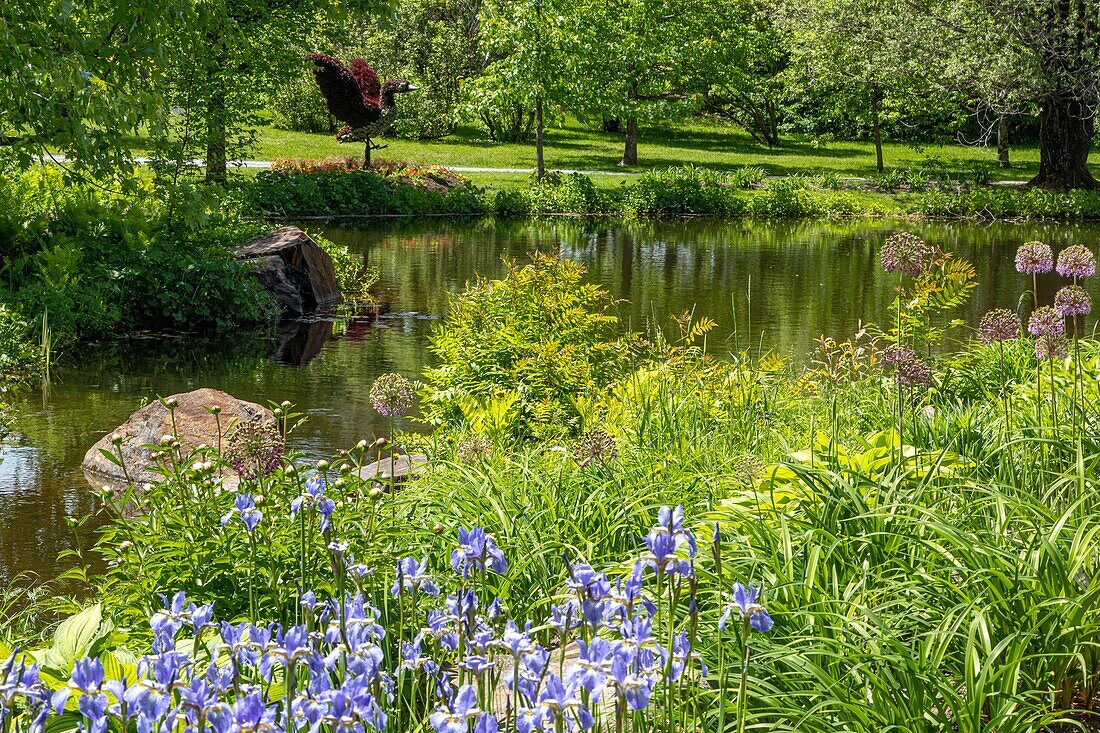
(575, 146)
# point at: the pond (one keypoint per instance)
(782, 285)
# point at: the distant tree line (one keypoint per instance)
(195, 74)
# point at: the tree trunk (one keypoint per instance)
(540, 165)
(216, 169)
(1066, 125)
(875, 128)
(366, 156)
(1002, 143)
(630, 150)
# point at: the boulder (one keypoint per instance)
(195, 426)
(293, 268)
(399, 467)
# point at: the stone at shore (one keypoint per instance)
(399, 467)
(293, 268)
(195, 426)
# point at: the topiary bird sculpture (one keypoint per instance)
(355, 96)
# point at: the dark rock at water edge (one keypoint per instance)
(293, 268)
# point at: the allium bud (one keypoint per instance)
(116, 438)
(322, 465)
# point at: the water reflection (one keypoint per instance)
(770, 286)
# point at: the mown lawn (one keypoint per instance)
(698, 142)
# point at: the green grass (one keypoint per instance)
(699, 142)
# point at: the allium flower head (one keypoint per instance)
(1073, 300)
(905, 253)
(473, 448)
(594, 446)
(1076, 261)
(1046, 321)
(1051, 347)
(254, 449)
(392, 395)
(909, 369)
(1034, 257)
(999, 324)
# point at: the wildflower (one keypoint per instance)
(745, 602)
(1033, 258)
(473, 448)
(1073, 300)
(909, 369)
(593, 663)
(254, 449)
(392, 395)
(562, 702)
(594, 446)
(666, 539)
(1046, 321)
(999, 324)
(517, 642)
(314, 497)
(453, 719)
(478, 550)
(905, 253)
(1076, 261)
(413, 576)
(245, 507)
(1051, 347)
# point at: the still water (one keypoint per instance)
(783, 285)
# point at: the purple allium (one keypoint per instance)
(909, 369)
(1034, 257)
(905, 253)
(1076, 261)
(999, 324)
(392, 395)
(473, 448)
(1046, 321)
(254, 449)
(1073, 300)
(1051, 347)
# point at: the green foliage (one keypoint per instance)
(531, 342)
(688, 191)
(1001, 203)
(298, 105)
(352, 275)
(403, 191)
(21, 355)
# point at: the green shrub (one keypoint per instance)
(784, 198)
(400, 191)
(517, 352)
(21, 354)
(298, 105)
(686, 191)
(565, 193)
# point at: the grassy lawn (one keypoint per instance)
(698, 142)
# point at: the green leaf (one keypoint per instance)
(73, 638)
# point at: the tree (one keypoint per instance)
(81, 77)
(868, 44)
(225, 60)
(523, 79)
(628, 58)
(736, 63)
(1060, 43)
